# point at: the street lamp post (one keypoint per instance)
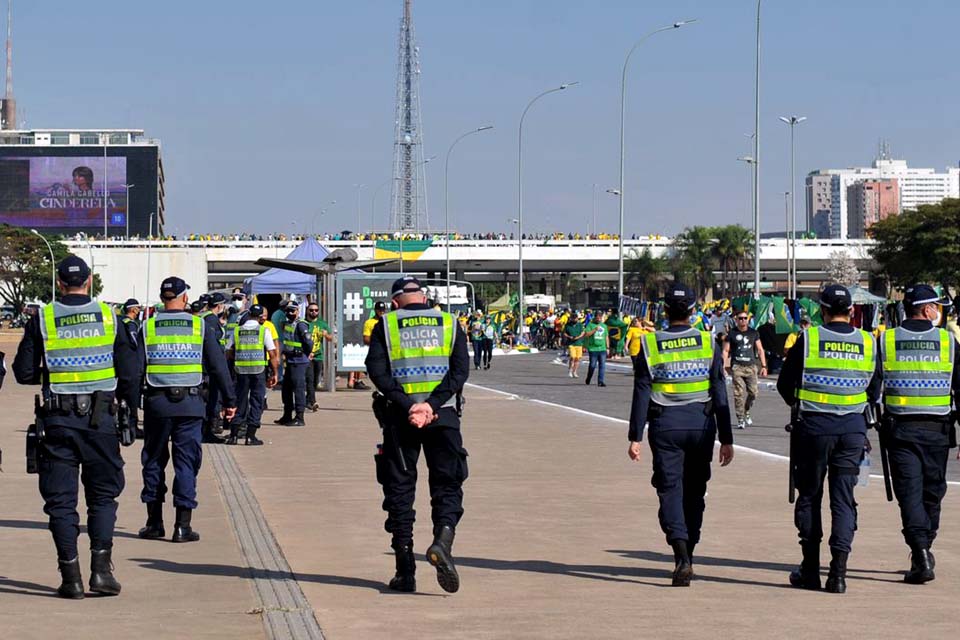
(623, 106)
(786, 222)
(359, 187)
(446, 201)
(53, 266)
(146, 295)
(756, 167)
(128, 187)
(793, 121)
(322, 211)
(519, 218)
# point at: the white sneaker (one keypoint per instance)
(569, 374)
(749, 420)
(741, 425)
(576, 375)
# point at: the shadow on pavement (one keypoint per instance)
(32, 524)
(20, 588)
(264, 574)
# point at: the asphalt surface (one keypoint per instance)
(537, 376)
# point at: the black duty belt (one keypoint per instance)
(174, 394)
(938, 426)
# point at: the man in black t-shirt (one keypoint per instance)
(741, 351)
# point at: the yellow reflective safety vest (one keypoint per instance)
(174, 343)
(249, 356)
(917, 371)
(78, 347)
(837, 369)
(679, 365)
(419, 345)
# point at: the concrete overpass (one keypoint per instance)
(126, 266)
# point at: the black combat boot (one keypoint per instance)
(439, 554)
(837, 578)
(297, 420)
(933, 561)
(182, 532)
(807, 575)
(101, 573)
(208, 436)
(921, 566)
(252, 440)
(216, 426)
(234, 434)
(690, 547)
(71, 584)
(683, 572)
(284, 420)
(153, 530)
(405, 579)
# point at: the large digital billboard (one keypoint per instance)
(64, 192)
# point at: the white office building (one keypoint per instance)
(828, 213)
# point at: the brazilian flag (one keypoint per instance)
(781, 312)
(811, 310)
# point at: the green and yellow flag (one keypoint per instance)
(411, 249)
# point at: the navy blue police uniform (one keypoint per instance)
(80, 423)
(174, 411)
(212, 424)
(832, 382)
(296, 346)
(921, 373)
(131, 369)
(404, 381)
(687, 410)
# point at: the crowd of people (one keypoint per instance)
(352, 236)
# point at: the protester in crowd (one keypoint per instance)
(742, 351)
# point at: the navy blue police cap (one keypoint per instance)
(917, 294)
(835, 297)
(680, 297)
(406, 284)
(73, 271)
(173, 287)
(256, 311)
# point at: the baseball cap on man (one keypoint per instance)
(256, 311)
(215, 298)
(172, 287)
(73, 271)
(835, 297)
(680, 297)
(917, 294)
(131, 303)
(380, 306)
(406, 284)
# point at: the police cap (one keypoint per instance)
(836, 298)
(215, 298)
(256, 311)
(406, 284)
(172, 287)
(680, 297)
(73, 271)
(917, 294)
(380, 306)
(131, 303)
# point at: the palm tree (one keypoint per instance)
(734, 246)
(695, 250)
(643, 270)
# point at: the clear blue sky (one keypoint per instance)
(269, 110)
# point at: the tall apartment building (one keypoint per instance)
(869, 202)
(830, 216)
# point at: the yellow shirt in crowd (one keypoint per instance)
(633, 340)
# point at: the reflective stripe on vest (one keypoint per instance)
(78, 347)
(419, 345)
(917, 371)
(290, 342)
(248, 349)
(679, 365)
(837, 368)
(174, 344)
(229, 329)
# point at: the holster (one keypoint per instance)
(125, 430)
(35, 434)
(381, 411)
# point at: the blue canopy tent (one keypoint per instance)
(286, 281)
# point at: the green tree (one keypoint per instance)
(921, 245)
(644, 272)
(695, 252)
(25, 269)
(733, 249)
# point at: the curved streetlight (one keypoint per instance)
(446, 200)
(793, 121)
(520, 189)
(623, 106)
(53, 267)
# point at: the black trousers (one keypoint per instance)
(681, 469)
(919, 477)
(294, 389)
(487, 351)
(96, 456)
(251, 393)
(836, 458)
(447, 468)
(314, 376)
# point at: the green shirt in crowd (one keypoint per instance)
(598, 341)
(572, 331)
(317, 327)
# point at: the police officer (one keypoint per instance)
(212, 425)
(920, 370)
(830, 374)
(679, 389)
(179, 351)
(252, 350)
(418, 360)
(297, 347)
(74, 349)
(131, 368)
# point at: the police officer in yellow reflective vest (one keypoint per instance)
(179, 351)
(418, 360)
(679, 390)
(831, 374)
(920, 374)
(72, 349)
(251, 349)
